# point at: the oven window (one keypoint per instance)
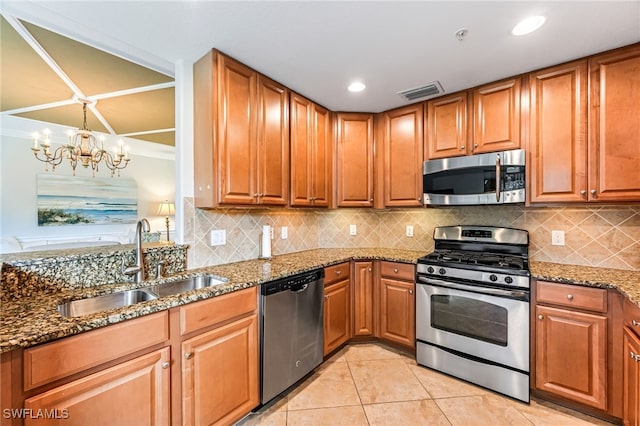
(470, 317)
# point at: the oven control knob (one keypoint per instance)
(493, 277)
(430, 269)
(508, 280)
(442, 271)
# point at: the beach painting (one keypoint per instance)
(73, 200)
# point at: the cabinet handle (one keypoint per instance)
(338, 272)
(395, 270)
(635, 323)
(540, 317)
(570, 296)
(634, 357)
(188, 355)
(165, 365)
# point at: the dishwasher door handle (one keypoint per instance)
(300, 290)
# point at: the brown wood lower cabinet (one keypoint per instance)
(337, 314)
(363, 318)
(398, 303)
(631, 367)
(220, 374)
(135, 392)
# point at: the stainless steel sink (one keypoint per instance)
(187, 284)
(92, 305)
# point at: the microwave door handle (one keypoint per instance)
(498, 178)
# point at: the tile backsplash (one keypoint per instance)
(607, 236)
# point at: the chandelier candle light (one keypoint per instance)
(166, 209)
(83, 147)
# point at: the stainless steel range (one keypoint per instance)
(472, 307)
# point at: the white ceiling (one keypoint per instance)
(317, 48)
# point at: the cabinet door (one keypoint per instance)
(301, 150)
(220, 382)
(446, 126)
(397, 312)
(337, 315)
(273, 142)
(496, 123)
(363, 299)
(571, 350)
(135, 392)
(321, 175)
(237, 127)
(557, 143)
(355, 160)
(631, 387)
(614, 148)
(403, 152)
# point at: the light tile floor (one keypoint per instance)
(372, 384)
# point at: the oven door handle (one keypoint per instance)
(518, 294)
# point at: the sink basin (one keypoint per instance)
(92, 305)
(187, 284)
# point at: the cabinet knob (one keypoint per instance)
(461, 146)
(410, 291)
(635, 323)
(583, 192)
(419, 198)
(326, 297)
(188, 355)
(371, 200)
(540, 317)
(338, 272)
(165, 365)
(395, 270)
(570, 296)
(593, 192)
(369, 269)
(635, 357)
(475, 145)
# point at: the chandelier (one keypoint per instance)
(83, 148)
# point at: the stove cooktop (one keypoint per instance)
(469, 259)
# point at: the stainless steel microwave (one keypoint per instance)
(492, 178)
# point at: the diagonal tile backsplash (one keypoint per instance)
(607, 236)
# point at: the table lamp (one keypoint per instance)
(166, 209)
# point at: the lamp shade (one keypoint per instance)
(166, 209)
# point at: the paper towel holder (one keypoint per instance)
(265, 243)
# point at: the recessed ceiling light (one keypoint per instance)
(356, 86)
(528, 25)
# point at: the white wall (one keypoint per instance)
(155, 178)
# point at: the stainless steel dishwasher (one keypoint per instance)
(291, 342)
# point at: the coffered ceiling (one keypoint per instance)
(46, 76)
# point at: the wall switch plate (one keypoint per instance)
(557, 238)
(409, 230)
(353, 230)
(218, 237)
(284, 233)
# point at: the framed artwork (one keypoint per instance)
(74, 200)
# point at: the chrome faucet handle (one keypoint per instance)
(129, 269)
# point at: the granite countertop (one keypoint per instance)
(626, 282)
(29, 321)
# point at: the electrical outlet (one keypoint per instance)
(409, 230)
(557, 238)
(218, 237)
(284, 233)
(353, 230)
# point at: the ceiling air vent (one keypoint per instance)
(428, 91)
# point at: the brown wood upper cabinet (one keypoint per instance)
(557, 139)
(614, 142)
(354, 158)
(494, 114)
(399, 157)
(446, 126)
(311, 153)
(241, 131)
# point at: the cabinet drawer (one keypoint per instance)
(572, 296)
(336, 273)
(51, 361)
(217, 309)
(632, 316)
(400, 271)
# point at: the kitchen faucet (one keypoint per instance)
(138, 267)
